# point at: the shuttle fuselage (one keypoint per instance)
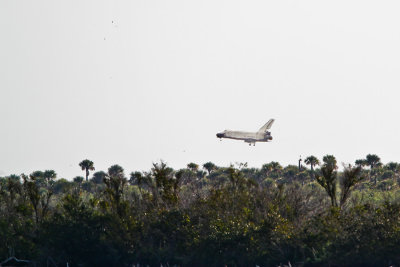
(261, 135)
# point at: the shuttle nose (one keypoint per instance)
(220, 135)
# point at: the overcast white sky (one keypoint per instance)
(133, 82)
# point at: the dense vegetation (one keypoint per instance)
(206, 216)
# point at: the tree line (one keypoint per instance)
(206, 215)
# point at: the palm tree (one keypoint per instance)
(13, 185)
(312, 161)
(49, 176)
(78, 179)
(38, 177)
(351, 176)
(115, 182)
(37, 174)
(87, 165)
(209, 166)
(373, 161)
(39, 200)
(273, 167)
(193, 167)
(98, 177)
(136, 178)
(276, 167)
(330, 160)
(361, 162)
(393, 166)
(116, 171)
(166, 183)
(328, 180)
(266, 169)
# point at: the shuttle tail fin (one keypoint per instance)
(267, 126)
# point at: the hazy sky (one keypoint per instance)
(133, 82)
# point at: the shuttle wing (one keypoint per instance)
(267, 126)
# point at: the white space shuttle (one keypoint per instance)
(262, 135)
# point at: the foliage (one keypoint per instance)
(351, 176)
(98, 177)
(209, 166)
(234, 216)
(87, 165)
(327, 179)
(312, 161)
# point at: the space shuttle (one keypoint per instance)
(262, 135)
